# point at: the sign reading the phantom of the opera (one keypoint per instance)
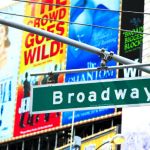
(96, 94)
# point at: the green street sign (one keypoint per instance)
(88, 95)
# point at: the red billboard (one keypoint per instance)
(39, 54)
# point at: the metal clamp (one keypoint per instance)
(105, 58)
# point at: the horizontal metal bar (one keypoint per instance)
(92, 69)
(72, 42)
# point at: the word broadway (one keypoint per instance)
(90, 94)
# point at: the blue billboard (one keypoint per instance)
(85, 114)
(94, 27)
(93, 31)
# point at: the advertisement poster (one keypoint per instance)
(100, 37)
(84, 115)
(146, 39)
(9, 63)
(135, 123)
(131, 43)
(96, 36)
(40, 54)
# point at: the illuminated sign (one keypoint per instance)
(40, 54)
(131, 41)
(85, 114)
(100, 37)
(96, 36)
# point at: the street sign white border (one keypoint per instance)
(85, 82)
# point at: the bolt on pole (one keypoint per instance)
(71, 42)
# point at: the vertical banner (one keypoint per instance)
(134, 123)
(9, 63)
(40, 54)
(131, 43)
(146, 39)
(100, 37)
(88, 33)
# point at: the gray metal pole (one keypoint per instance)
(39, 143)
(69, 41)
(56, 140)
(72, 130)
(22, 145)
(7, 147)
(92, 69)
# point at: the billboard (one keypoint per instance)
(131, 43)
(96, 36)
(39, 54)
(146, 40)
(100, 37)
(135, 128)
(84, 115)
(33, 54)
(9, 63)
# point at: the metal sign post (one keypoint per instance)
(72, 130)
